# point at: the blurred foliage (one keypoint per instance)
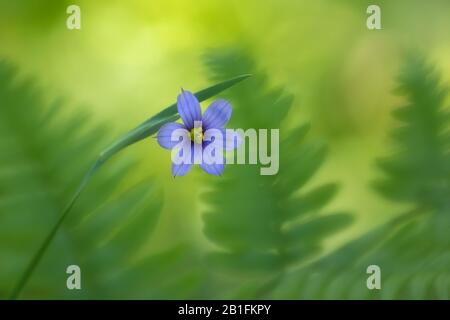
(412, 250)
(269, 248)
(42, 160)
(419, 171)
(263, 223)
(131, 57)
(42, 13)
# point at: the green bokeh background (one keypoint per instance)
(130, 59)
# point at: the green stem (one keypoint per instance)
(43, 248)
(146, 129)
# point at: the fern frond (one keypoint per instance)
(419, 171)
(411, 249)
(43, 154)
(265, 224)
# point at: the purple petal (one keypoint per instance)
(186, 163)
(213, 161)
(181, 169)
(189, 109)
(215, 169)
(231, 139)
(164, 135)
(217, 115)
(213, 135)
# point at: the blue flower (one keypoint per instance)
(194, 128)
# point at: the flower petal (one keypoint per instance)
(231, 139)
(185, 160)
(217, 114)
(215, 169)
(189, 109)
(164, 135)
(213, 161)
(181, 169)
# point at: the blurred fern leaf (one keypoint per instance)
(419, 171)
(411, 249)
(265, 224)
(43, 154)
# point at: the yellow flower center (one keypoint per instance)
(197, 135)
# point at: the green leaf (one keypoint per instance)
(311, 201)
(250, 263)
(253, 236)
(317, 229)
(419, 171)
(412, 248)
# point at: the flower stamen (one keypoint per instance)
(197, 135)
